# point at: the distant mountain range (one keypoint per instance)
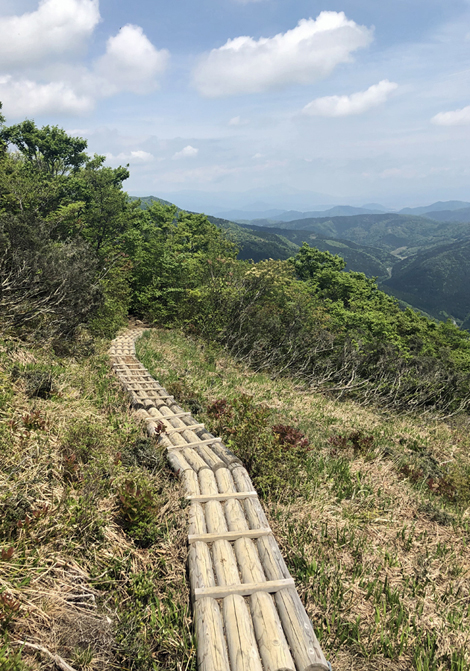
(452, 210)
(422, 260)
(440, 206)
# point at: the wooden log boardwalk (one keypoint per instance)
(248, 615)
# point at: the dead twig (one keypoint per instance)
(61, 663)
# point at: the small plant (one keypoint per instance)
(360, 443)
(289, 436)
(82, 658)
(71, 468)
(7, 554)
(138, 507)
(35, 421)
(9, 607)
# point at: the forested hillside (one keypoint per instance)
(76, 251)
(437, 281)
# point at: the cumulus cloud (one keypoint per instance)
(303, 55)
(137, 155)
(357, 103)
(25, 97)
(187, 152)
(460, 117)
(56, 27)
(131, 61)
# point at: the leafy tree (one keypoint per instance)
(49, 149)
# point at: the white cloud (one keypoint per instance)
(357, 103)
(25, 97)
(186, 152)
(131, 62)
(255, 156)
(308, 52)
(56, 27)
(458, 117)
(237, 121)
(132, 156)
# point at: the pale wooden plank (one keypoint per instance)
(228, 535)
(182, 428)
(223, 497)
(196, 443)
(243, 589)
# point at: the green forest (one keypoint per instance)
(420, 260)
(75, 250)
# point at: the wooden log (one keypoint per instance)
(243, 651)
(236, 520)
(191, 484)
(201, 572)
(207, 483)
(241, 641)
(249, 562)
(242, 479)
(178, 462)
(225, 481)
(211, 649)
(211, 459)
(225, 454)
(297, 627)
(194, 459)
(215, 521)
(197, 519)
(243, 589)
(179, 429)
(255, 514)
(225, 565)
(272, 643)
(198, 443)
(299, 632)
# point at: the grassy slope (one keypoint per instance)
(373, 520)
(92, 534)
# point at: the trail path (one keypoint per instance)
(248, 614)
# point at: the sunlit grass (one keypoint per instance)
(375, 529)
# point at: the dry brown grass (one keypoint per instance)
(72, 579)
(379, 541)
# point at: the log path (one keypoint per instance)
(248, 615)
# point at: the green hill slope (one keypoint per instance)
(257, 244)
(388, 231)
(372, 261)
(437, 280)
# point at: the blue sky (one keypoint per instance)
(225, 103)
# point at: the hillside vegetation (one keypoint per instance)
(370, 508)
(351, 414)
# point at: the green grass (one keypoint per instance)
(372, 516)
